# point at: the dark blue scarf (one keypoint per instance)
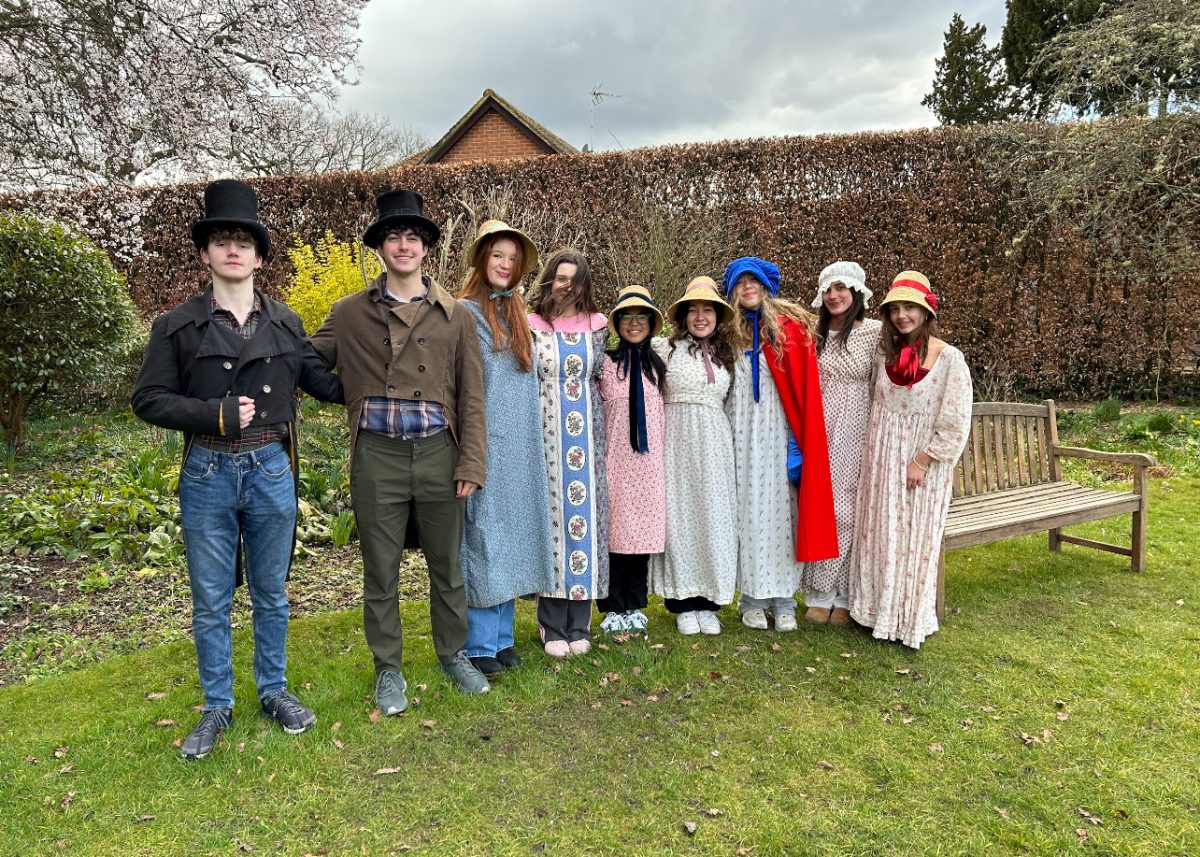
(630, 359)
(754, 316)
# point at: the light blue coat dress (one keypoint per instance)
(506, 549)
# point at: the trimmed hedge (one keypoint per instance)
(1035, 304)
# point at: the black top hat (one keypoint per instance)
(399, 208)
(230, 204)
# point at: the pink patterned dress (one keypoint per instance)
(637, 486)
(897, 531)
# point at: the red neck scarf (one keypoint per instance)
(907, 370)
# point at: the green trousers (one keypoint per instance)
(391, 479)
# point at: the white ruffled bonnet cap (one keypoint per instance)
(848, 273)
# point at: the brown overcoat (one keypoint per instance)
(426, 351)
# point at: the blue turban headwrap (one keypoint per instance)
(766, 273)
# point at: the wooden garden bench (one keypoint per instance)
(1009, 483)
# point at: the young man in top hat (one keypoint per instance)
(409, 358)
(223, 368)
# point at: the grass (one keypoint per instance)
(819, 742)
(1057, 711)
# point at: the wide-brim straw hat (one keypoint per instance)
(628, 298)
(529, 253)
(912, 287)
(701, 289)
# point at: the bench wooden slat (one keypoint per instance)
(1026, 410)
(1016, 496)
(985, 518)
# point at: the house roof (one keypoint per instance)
(535, 131)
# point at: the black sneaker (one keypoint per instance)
(488, 666)
(203, 738)
(287, 711)
(508, 658)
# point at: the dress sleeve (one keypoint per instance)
(952, 424)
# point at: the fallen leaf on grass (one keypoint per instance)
(903, 671)
(1082, 833)
(637, 670)
(689, 827)
(383, 772)
(59, 752)
(775, 647)
(657, 646)
(627, 703)
(810, 669)
(31, 760)
(67, 800)
(243, 846)
(1179, 603)
(178, 742)
(847, 655)
(376, 715)
(241, 746)
(1002, 812)
(742, 852)
(602, 647)
(306, 685)
(966, 724)
(596, 706)
(66, 769)
(1092, 817)
(339, 744)
(271, 778)
(335, 727)
(937, 748)
(422, 687)
(695, 647)
(712, 812)
(1059, 703)
(142, 819)
(428, 724)
(826, 766)
(166, 721)
(156, 695)
(1062, 715)
(652, 697)
(907, 720)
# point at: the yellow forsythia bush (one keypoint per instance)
(324, 273)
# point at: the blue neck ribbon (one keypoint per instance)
(754, 316)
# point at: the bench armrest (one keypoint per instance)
(1137, 459)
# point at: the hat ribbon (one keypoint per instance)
(754, 316)
(629, 365)
(704, 352)
(930, 297)
(907, 368)
(497, 295)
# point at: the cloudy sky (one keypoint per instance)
(685, 71)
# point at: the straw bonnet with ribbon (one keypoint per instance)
(490, 228)
(397, 209)
(700, 289)
(231, 204)
(849, 274)
(767, 274)
(912, 287)
(629, 298)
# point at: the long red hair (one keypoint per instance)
(517, 338)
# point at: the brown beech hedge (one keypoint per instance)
(1041, 302)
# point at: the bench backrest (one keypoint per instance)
(1009, 446)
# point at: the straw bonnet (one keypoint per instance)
(529, 253)
(628, 298)
(912, 287)
(849, 274)
(701, 289)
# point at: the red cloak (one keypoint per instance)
(796, 378)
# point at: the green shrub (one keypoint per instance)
(1107, 411)
(324, 273)
(65, 317)
(1162, 424)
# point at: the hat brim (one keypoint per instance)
(529, 253)
(907, 294)
(724, 310)
(202, 229)
(373, 237)
(636, 303)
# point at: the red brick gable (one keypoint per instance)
(492, 130)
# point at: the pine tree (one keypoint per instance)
(968, 84)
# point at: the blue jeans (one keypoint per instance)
(222, 495)
(490, 629)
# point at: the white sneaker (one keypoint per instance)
(688, 623)
(756, 619)
(785, 622)
(613, 623)
(637, 623)
(709, 623)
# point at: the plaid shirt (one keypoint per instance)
(252, 437)
(408, 419)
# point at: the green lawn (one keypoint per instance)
(1058, 711)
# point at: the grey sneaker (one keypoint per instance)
(389, 693)
(203, 738)
(466, 677)
(287, 711)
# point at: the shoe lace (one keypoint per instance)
(212, 719)
(287, 705)
(390, 681)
